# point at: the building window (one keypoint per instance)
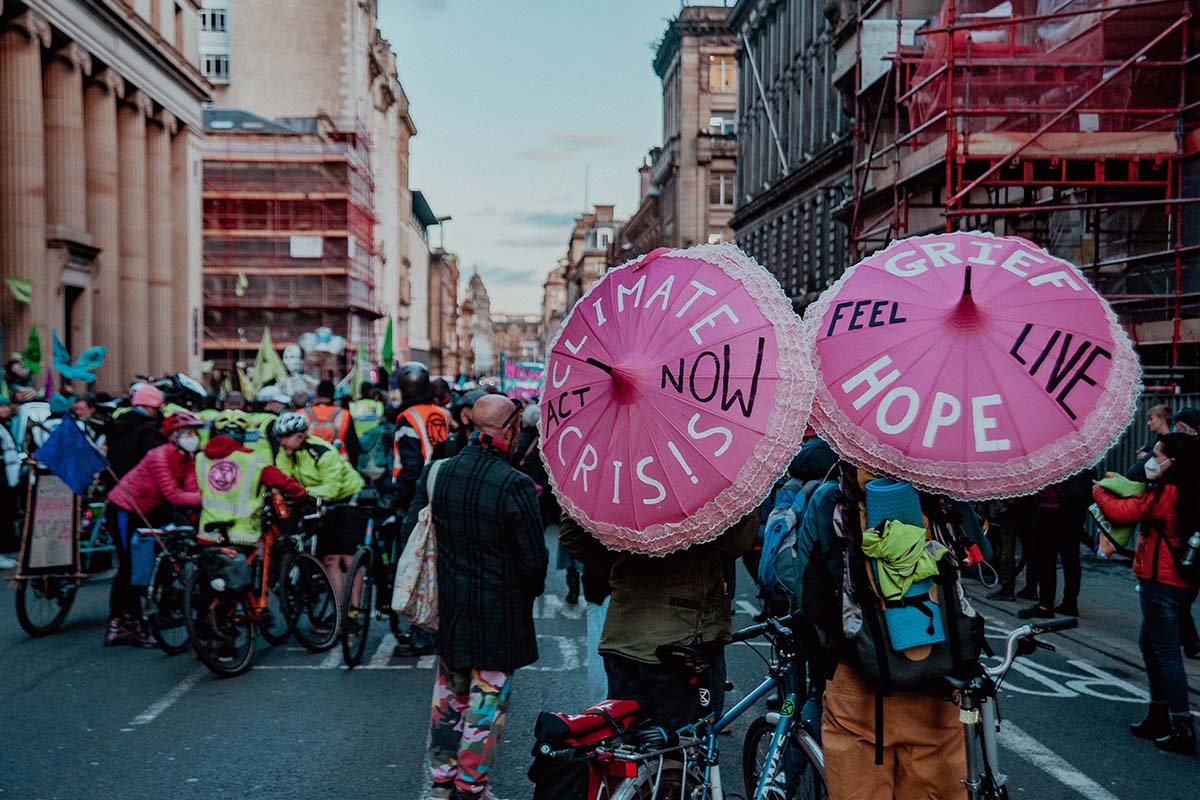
(722, 74)
(722, 125)
(178, 28)
(720, 189)
(716, 237)
(215, 66)
(212, 19)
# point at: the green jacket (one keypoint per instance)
(321, 470)
(678, 599)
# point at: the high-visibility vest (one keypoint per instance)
(432, 424)
(230, 491)
(207, 416)
(331, 423)
(367, 414)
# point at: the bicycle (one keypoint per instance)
(228, 595)
(367, 591)
(165, 594)
(685, 763)
(44, 600)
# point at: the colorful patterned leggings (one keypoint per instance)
(468, 717)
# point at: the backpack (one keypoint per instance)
(375, 456)
(562, 766)
(876, 631)
(329, 428)
(777, 567)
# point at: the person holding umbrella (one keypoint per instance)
(1167, 514)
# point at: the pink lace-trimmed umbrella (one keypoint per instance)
(675, 394)
(970, 364)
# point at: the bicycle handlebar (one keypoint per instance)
(1028, 633)
(779, 626)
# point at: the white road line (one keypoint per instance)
(1022, 744)
(383, 653)
(169, 699)
(332, 659)
(747, 608)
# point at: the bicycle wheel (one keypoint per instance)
(358, 606)
(221, 628)
(273, 623)
(309, 603)
(663, 778)
(797, 778)
(164, 606)
(43, 602)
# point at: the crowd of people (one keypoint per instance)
(490, 503)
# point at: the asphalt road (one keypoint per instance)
(82, 721)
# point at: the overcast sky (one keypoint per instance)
(511, 101)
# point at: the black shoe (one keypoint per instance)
(1181, 739)
(1036, 611)
(1156, 724)
(408, 650)
(1068, 609)
(1028, 593)
(1002, 594)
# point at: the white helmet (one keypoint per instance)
(290, 422)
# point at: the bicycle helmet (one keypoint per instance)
(232, 423)
(414, 382)
(290, 422)
(181, 420)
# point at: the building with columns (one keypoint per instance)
(100, 124)
(289, 59)
(517, 337)
(554, 302)
(479, 327)
(587, 251)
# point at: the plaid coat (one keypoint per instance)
(491, 558)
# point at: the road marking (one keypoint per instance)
(747, 608)
(1022, 744)
(169, 699)
(551, 606)
(332, 659)
(568, 651)
(383, 653)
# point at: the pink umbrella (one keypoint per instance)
(675, 394)
(970, 364)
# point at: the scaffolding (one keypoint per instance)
(289, 238)
(1071, 123)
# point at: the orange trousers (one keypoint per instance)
(924, 757)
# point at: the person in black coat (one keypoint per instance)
(491, 565)
(137, 431)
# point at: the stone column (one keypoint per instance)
(103, 211)
(66, 190)
(131, 187)
(186, 270)
(160, 318)
(22, 173)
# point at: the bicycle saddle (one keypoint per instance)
(688, 659)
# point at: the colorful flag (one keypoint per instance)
(32, 357)
(268, 365)
(69, 455)
(386, 355)
(22, 289)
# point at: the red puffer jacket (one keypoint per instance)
(166, 476)
(1155, 511)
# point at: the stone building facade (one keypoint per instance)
(554, 302)
(478, 311)
(443, 313)
(517, 337)
(306, 58)
(587, 251)
(793, 142)
(100, 122)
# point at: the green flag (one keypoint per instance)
(32, 357)
(385, 355)
(267, 363)
(21, 288)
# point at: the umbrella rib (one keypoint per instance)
(858, 366)
(1000, 346)
(996, 381)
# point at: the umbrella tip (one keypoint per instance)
(653, 254)
(967, 281)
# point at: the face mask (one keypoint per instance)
(189, 444)
(1153, 469)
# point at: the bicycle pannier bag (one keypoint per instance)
(141, 558)
(576, 776)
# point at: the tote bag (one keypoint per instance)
(415, 596)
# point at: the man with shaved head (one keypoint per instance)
(491, 564)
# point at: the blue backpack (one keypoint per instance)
(779, 537)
